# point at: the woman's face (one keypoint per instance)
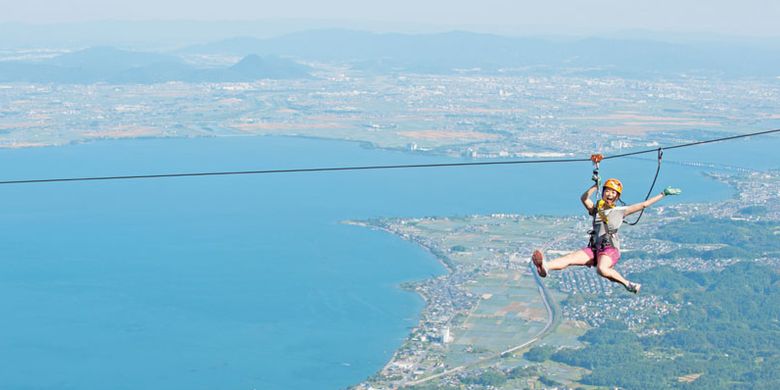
(609, 195)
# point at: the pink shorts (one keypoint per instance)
(613, 254)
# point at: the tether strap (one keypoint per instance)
(657, 170)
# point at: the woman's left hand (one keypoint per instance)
(672, 191)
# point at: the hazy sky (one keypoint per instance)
(731, 17)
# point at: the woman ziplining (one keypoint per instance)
(603, 250)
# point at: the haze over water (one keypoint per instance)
(248, 282)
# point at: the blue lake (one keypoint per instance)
(244, 282)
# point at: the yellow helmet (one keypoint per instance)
(614, 184)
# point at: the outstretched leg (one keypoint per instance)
(605, 269)
(579, 257)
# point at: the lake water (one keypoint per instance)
(248, 282)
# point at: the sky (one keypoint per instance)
(724, 17)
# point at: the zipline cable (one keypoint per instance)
(375, 167)
(294, 170)
(694, 143)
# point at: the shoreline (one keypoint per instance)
(457, 277)
(411, 285)
(442, 259)
(408, 286)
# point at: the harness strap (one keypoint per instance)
(594, 243)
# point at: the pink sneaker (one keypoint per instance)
(538, 260)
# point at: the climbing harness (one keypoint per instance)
(594, 243)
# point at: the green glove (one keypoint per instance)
(672, 191)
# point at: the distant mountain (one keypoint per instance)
(105, 64)
(447, 52)
(439, 53)
(252, 66)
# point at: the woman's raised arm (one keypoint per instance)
(585, 198)
(643, 205)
